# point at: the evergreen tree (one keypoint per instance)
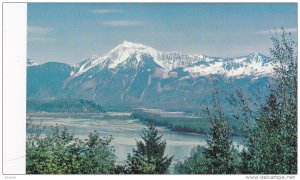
(219, 151)
(148, 157)
(272, 145)
(218, 154)
(195, 164)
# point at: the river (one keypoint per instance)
(124, 130)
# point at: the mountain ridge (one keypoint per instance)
(135, 75)
(255, 64)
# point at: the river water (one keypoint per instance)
(124, 130)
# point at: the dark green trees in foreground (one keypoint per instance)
(59, 152)
(271, 145)
(218, 153)
(148, 157)
(219, 156)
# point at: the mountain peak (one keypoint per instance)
(127, 49)
(129, 55)
(132, 45)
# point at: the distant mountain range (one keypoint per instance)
(135, 75)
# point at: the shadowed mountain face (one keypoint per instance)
(46, 80)
(135, 75)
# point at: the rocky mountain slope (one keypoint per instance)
(135, 75)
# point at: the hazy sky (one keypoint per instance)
(69, 32)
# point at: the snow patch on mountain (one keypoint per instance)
(130, 55)
(254, 64)
(127, 49)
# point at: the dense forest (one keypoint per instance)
(270, 146)
(183, 124)
(63, 105)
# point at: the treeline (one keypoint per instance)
(59, 152)
(183, 124)
(64, 105)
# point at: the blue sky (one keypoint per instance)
(72, 32)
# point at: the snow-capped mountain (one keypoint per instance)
(119, 56)
(135, 75)
(129, 55)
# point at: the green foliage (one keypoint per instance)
(183, 124)
(98, 156)
(52, 154)
(148, 157)
(218, 157)
(195, 164)
(218, 154)
(59, 152)
(63, 105)
(272, 145)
